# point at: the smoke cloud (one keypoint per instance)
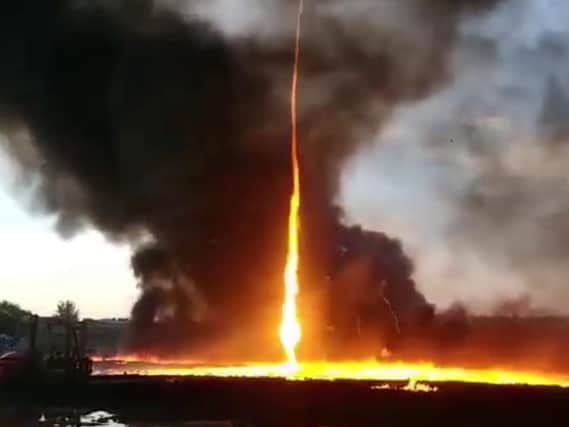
(473, 178)
(170, 120)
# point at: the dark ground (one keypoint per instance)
(270, 402)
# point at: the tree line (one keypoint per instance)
(14, 319)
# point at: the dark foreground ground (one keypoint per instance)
(165, 401)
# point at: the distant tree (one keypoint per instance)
(12, 318)
(67, 311)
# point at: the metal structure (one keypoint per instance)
(33, 365)
(73, 362)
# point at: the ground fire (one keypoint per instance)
(380, 372)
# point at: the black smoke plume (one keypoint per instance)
(142, 121)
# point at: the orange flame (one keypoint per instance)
(290, 330)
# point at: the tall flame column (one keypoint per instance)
(290, 330)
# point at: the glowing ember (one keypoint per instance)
(374, 371)
(290, 332)
(417, 387)
(412, 385)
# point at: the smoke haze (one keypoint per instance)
(473, 179)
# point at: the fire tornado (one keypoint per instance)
(175, 107)
(290, 330)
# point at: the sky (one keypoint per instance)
(38, 267)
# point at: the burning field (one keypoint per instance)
(229, 152)
(414, 374)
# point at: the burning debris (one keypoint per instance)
(412, 386)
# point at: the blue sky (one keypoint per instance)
(38, 267)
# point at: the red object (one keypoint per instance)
(12, 363)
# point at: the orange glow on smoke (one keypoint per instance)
(290, 330)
